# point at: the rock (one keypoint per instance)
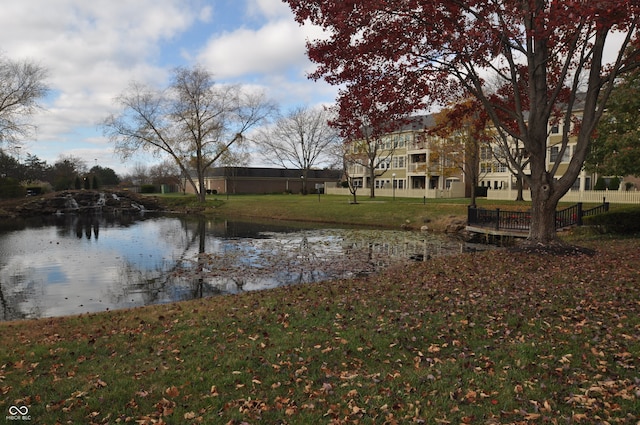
(86, 201)
(456, 226)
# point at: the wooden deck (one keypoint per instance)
(494, 232)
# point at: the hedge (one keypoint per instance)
(624, 220)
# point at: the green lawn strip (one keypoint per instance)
(379, 211)
(330, 209)
(494, 337)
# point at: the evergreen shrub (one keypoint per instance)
(624, 221)
(147, 188)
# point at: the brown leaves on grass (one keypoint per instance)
(496, 337)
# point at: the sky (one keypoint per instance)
(93, 49)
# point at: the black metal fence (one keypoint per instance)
(520, 220)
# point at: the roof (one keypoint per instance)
(419, 122)
(283, 173)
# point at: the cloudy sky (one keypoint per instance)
(94, 49)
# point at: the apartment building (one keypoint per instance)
(409, 163)
(495, 175)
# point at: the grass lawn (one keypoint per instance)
(380, 211)
(480, 338)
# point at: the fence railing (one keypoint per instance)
(585, 196)
(521, 220)
(588, 196)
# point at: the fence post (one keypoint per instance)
(498, 219)
(472, 217)
(579, 214)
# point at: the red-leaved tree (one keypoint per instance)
(543, 58)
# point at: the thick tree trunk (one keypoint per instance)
(543, 209)
(543, 222)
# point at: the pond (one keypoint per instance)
(72, 264)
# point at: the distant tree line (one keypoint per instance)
(67, 173)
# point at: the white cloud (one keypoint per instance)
(268, 8)
(93, 49)
(272, 48)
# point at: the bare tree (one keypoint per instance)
(511, 153)
(167, 172)
(301, 139)
(140, 174)
(347, 165)
(22, 84)
(194, 121)
(463, 136)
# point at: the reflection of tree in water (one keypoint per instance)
(294, 259)
(211, 257)
(145, 287)
(12, 301)
(164, 282)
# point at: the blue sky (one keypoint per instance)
(94, 49)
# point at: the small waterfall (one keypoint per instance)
(102, 200)
(138, 207)
(71, 203)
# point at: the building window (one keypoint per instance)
(402, 141)
(384, 164)
(399, 161)
(555, 129)
(576, 184)
(356, 182)
(555, 151)
(382, 183)
(486, 153)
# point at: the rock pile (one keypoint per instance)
(86, 201)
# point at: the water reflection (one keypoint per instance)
(73, 264)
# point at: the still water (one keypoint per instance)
(65, 265)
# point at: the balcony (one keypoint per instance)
(418, 167)
(417, 146)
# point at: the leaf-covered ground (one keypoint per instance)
(480, 338)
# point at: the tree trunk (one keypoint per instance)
(353, 190)
(543, 210)
(305, 181)
(519, 188)
(201, 190)
(372, 177)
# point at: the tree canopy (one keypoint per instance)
(531, 64)
(616, 148)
